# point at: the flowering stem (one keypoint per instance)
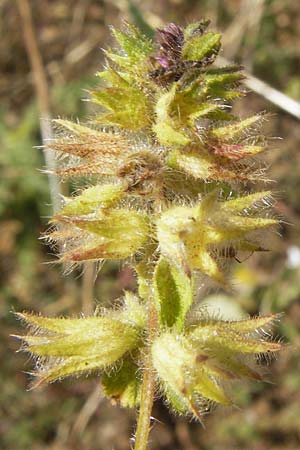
(157, 213)
(143, 425)
(148, 387)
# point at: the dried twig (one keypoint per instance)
(88, 280)
(88, 409)
(255, 15)
(43, 101)
(247, 19)
(42, 94)
(268, 92)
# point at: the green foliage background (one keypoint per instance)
(74, 415)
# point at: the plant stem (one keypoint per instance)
(148, 388)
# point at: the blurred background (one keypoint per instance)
(264, 36)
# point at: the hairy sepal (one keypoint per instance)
(128, 107)
(202, 165)
(136, 48)
(67, 347)
(188, 235)
(187, 384)
(239, 337)
(93, 199)
(166, 128)
(235, 130)
(108, 234)
(198, 47)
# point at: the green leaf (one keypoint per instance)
(123, 385)
(183, 381)
(134, 312)
(255, 323)
(206, 110)
(198, 47)
(136, 46)
(173, 294)
(128, 107)
(134, 52)
(227, 361)
(113, 77)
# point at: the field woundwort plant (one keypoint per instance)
(172, 188)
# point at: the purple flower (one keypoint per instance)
(171, 40)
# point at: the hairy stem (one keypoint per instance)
(148, 388)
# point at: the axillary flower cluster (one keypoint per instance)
(171, 178)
